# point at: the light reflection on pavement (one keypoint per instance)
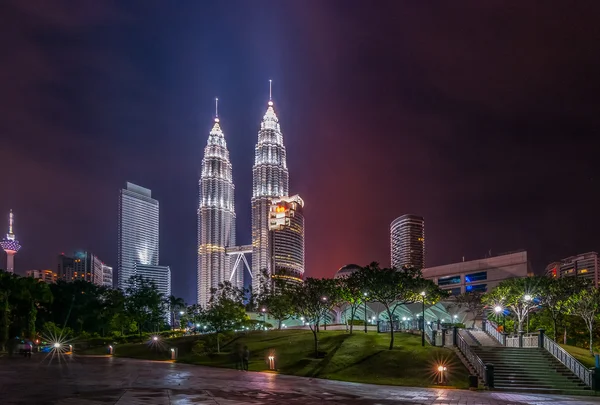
(106, 380)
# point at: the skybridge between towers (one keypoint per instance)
(239, 252)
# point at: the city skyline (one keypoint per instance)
(427, 110)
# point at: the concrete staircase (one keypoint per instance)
(482, 338)
(529, 370)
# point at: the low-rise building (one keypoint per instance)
(480, 275)
(584, 265)
(47, 276)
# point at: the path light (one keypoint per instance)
(173, 354)
(271, 362)
(441, 371)
(155, 338)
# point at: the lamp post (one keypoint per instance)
(454, 320)
(264, 313)
(325, 315)
(365, 300)
(499, 309)
(423, 320)
(527, 299)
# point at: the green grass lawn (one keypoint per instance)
(583, 355)
(359, 357)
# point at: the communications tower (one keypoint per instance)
(11, 245)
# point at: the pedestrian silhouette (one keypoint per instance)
(246, 358)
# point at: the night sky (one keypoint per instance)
(483, 117)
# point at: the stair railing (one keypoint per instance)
(492, 329)
(429, 334)
(582, 372)
(472, 357)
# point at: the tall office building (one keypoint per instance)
(82, 266)
(160, 275)
(107, 276)
(584, 265)
(407, 239)
(216, 217)
(286, 224)
(10, 245)
(270, 181)
(138, 231)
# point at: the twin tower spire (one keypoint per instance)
(216, 210)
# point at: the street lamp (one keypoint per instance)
(455, 317)
(527, 298)
(325, 315)
(264, 312)
(423, 320)
(365, 300)
(498, 309)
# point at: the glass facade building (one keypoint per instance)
(286, 224)
(407, 242)
(216, 217)
(138, 231)
(270, 180)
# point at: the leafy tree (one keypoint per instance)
(8, 287)
(393, 288)
(555, 297)
(31, 294)
(351, 289)
(312, 300)
(585, 304)
(276, 299)
(175, 304)
(225, 310)
(143, 302)
(472, 303)
(519, 295)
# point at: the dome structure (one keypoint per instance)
(347, 270)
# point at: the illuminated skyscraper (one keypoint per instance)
(138, 231)
(407, 239)
(270, 181)
(286, 223)
(11, 245)
(216, 217)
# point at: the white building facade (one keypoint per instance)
(270, 181)
(138, 231)
(216, 217)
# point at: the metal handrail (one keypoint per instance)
(471, 357)
(582, 372)
(492, 329)
(429, 334)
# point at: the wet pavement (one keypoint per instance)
(82, 380)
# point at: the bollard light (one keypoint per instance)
(441, 371)
(271, 362)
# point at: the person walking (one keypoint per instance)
(245, 358)
(237, 356)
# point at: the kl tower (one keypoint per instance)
(11, 245)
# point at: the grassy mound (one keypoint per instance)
(359, 357)
(583, 355)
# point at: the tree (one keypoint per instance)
(143, 302)
(276, 299)
(175, 304)
(585, 304)
(472, 302)
(8, 287)
(393, 288)
(519, 295)
(225, 310)
(312, 300)
(351, 289)
(555, 297)
(31, 293)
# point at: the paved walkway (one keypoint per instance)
(104, 381)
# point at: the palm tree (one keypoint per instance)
(175, 304)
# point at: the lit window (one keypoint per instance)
(470, 278)
(449, 280)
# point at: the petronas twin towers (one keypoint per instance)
(219, 259)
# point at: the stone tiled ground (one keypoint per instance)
(103, 381)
